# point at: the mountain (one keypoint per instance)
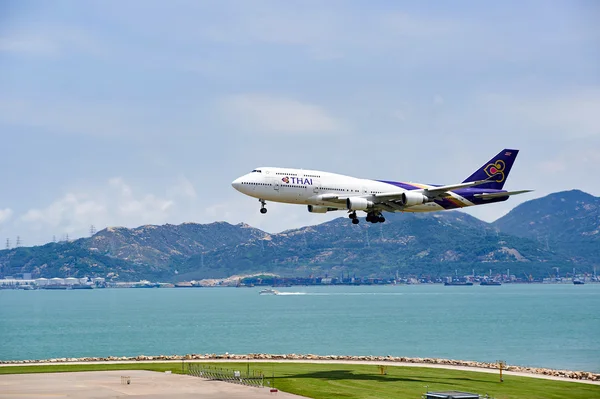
(432, 244)
(158, 246)
(144, 252)
(567, 221)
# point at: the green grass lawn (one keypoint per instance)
(365, 381)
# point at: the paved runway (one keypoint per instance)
(107, 384)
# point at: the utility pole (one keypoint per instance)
(8, 243)
(92, 230)
(18, 242)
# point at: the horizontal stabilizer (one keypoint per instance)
(502, 194)
(435, 191)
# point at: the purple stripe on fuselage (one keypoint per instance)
(446, 204)
(405, 186)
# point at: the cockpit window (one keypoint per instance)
(256, 170)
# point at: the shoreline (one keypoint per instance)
(539, 372)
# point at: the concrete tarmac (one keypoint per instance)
(109, 384)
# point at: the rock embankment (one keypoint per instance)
(577, 375)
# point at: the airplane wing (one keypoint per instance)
(431, 192)
(503, 194)
(392, 201)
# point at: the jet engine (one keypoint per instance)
(320, 209)
(358, 204)
(410, 198)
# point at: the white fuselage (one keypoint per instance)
(307, 187)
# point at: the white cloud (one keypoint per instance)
(138, 208)
(49, 41)
(115, 203)
(278, 218)
(70, 213)
(70, 117)
(278, 115)
(108, 119)
(5, 214)
(326, 31)
(552, 166)
(32, 45)
(566, 115)
(182, 189)
(399, 114)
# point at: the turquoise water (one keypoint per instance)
(554, 326)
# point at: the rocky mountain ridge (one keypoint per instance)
(557, 230)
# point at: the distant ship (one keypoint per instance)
(490, 282)
(56, 287)
(268, 291)
(82, 287)
(146, 284)
(578, 282)
(458, 283)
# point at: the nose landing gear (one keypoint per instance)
(263, 210)
(353, 217)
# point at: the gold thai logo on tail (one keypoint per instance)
(496, 171)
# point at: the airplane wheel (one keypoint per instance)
(381, 219)
(369, 218)
(354, 221)
(263, 210)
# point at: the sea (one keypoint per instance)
(541, 325)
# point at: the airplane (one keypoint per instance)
(325, 192)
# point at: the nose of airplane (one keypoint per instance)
(237, 183)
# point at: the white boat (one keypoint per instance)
(268, 291)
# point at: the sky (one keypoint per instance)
(126, 113)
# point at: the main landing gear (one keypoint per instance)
(373, 217)
(263, 210)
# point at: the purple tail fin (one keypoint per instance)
(496, 170)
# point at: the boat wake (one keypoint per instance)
(340, 293)
(292, 293)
